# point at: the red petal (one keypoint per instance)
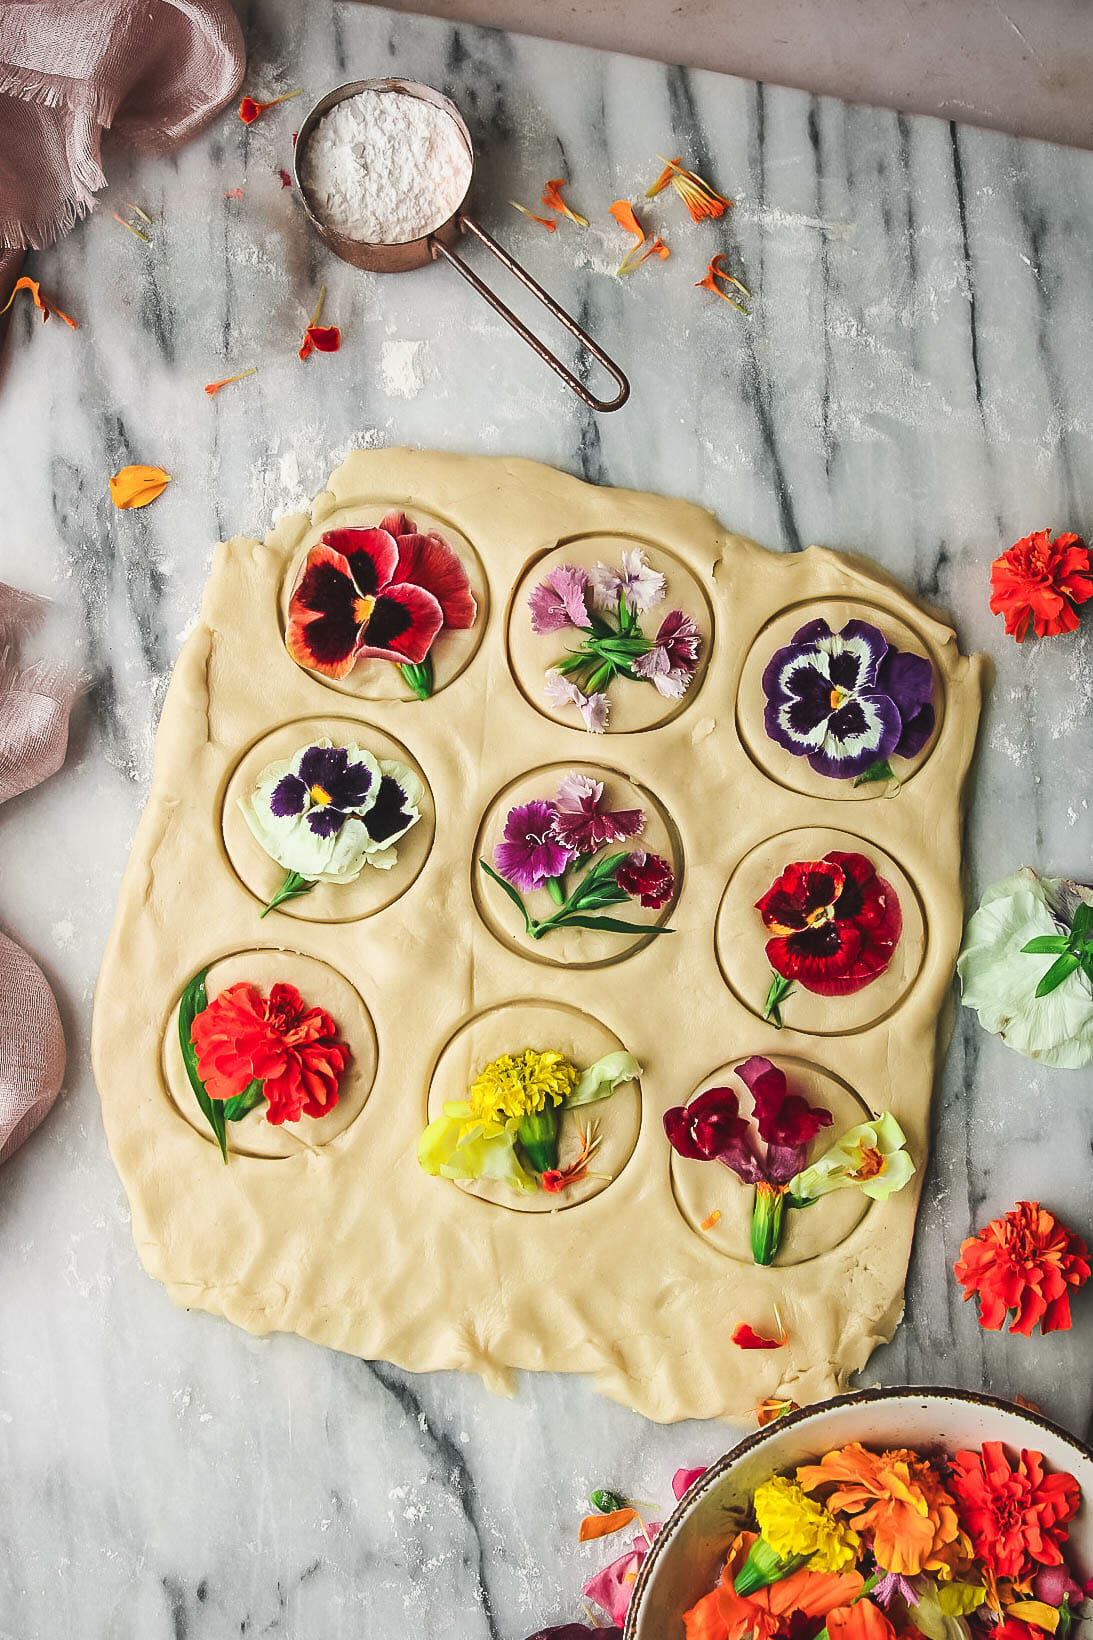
(323, 628)
(397, 523)
(372, 556)
(404, 623)
(746, 1338)
(323, 338)
(428, 561)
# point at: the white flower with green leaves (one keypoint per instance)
(999, 978)
(871, 1157)
(329, 811)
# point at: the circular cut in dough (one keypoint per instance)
(574, 947)
(741, 937)
(796, 772)
(320, 986)
(452, 651)
(634, 705)
(509, 1028)
(326, 902)
(703, 1189)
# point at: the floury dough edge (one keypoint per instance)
(352, 1245)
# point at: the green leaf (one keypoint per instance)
(606, 1501)
(780, 987)
(194, 1001)
(419, 675)
(243, 1103)
(293, 886)
(612, 924)
(1058, 972)
(881, 770)
(1044, 943)
(511, 892)
(1082, 926)
(555, 888)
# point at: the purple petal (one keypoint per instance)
(559, 600)
(326, 821)
(916, 732)
(811, 633)
(869, 733)
(289, 796)
(390, 813)
(529, 852)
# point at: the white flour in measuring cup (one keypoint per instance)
(385, 167)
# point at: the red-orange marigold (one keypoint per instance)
(1040, 581)
(1016, 1514)
(1025, 1262)
(243, 1037)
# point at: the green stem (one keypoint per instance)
(555, 887)
(767, 1213)
(538, 1137)
(419, 676)
(779, 991)
(291, 888)
(764, 1567)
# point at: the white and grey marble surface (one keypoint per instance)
(916, 384)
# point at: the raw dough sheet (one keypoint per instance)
(331, 1229)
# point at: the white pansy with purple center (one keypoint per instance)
(328, 811)
(847, 700)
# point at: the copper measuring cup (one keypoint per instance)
(415, 253)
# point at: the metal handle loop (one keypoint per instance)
(468, 225)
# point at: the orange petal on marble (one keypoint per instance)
(136, 486)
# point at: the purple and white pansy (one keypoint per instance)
(848, 700)
(603, 608)
(328, 812)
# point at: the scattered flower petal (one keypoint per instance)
(214, 387)
(249, 110)
(701, 200)
(711, 1219)
(544, 221)
(286, 180)
(598, 1526)
(552, 197)
(684, 1479)
(746, 1338)
(559, 600)
(772, 1408)
(44, 307)
(716, 271)
(137, 486)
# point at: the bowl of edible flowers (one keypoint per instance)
(891, 1514)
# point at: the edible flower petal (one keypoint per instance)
(243, 1037)
(647, 878)
(600, 1080)
(634, 259)
(898, 1499)
(636, 582)
(999, 979)
(624, 215)
(612, 1589)
(559, 600)
(530, 851)
(684, 1479)
(772, 1408)
(212, 388)
(1040, 582)
(44, 307)
(598, 1526)
(746, 1338)
(582, 825)
(766, 1611)
(672, 661)
(836, 923)
(544, 221)
(137, 486)
(797, 1527)
(594, 708)
(787, 1123)
(552, 197)
(701, 200)
(1023, 1265)
(1017, 1514)
(249, 110)
(870, 1156)
(320, 338)
(716, 271)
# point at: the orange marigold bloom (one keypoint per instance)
(726, 1615)
(1040, 581)
(1017, 1514)
(1024, 1263)
(864, 1620)
(898, 1498)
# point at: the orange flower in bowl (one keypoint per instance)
(900, 1500)
(726, 1615)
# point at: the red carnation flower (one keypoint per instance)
(646, 877)
(244, 1037)
(1040, 581)
(1025, 1262)
(1016, 1516)
(836, 923)
(384, 592)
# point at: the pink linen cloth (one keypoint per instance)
(35, 702)
(152, 71)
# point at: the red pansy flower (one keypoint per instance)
(243, 1037)
(385, 592)
(835, 922)
(1016, 1515)
(1039, 581)
(1025, 1262)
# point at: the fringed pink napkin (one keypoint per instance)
(35, 702)
(153, 71)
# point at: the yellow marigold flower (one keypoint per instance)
(796, 1526)
(518, 1085)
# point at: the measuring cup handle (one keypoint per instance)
(468, 225)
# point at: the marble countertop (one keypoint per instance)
(914, 385)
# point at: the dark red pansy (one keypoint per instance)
(374, 593)
(836, 923)
(786, 1121)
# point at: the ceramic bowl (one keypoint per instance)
(687, 1556)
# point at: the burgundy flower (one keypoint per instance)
(646, 877)
(530, 852)
(836, 923)
(673, 660)
(385, 592)
(582, 825)
(710, 1128)
(559, 600)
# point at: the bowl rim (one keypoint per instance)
(894, 1392)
